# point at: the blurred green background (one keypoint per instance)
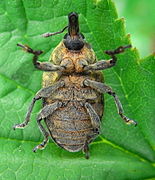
(140, 23)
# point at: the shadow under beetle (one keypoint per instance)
(72, 91)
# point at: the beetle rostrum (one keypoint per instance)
(72, 89)
(73, 40)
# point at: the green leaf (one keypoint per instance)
(121, 152)
(136, 13)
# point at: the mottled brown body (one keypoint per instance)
(72, 89)
(70, 126)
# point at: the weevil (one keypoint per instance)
(72, 91)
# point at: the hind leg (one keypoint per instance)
(89, 139)
(86, 150)
(45, 112)
(95, 120)
(45, 134)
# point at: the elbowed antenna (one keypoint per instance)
(73, 26)
(54, 33)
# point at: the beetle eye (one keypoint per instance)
(82, 36)
(65, 36)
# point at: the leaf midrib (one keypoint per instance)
(102, 141)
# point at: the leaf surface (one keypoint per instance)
(121, 151)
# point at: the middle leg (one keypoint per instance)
(102, 88)
(43, 93)
(44, 113)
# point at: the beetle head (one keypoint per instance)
(73, 40)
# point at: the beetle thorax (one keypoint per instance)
(73, 61)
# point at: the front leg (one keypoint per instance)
(44, 66)
(102, 88)
(103, 64)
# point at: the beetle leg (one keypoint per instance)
(43, 93)
(45, 134)
(45, 112)
(102, 88)
(118, 50)
(95, 120)
(44, 66)
(100, 65)
(86, 150)
(103, 64)
(89, 139)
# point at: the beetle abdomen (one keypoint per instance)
(70, 126)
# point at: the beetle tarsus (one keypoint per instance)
(86, 151)
(19, 126)
(30, 50)
(40, 146)
(131, 122)
(26, 48)
(118, 50)
(126, 119)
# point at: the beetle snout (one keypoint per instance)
(73, 19)
(73, 16)
(73, 29)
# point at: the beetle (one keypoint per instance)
(72, 91)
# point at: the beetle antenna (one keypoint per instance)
(54, 33)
